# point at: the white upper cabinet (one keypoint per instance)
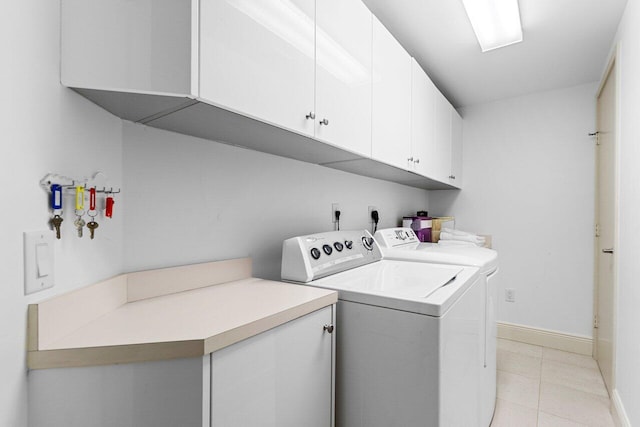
(455, 178)
(423, 94)
(124, 45)
(320, 81)
(343, 74)
(258, 58)
(441, 166)
(391, 100)
(282, 63)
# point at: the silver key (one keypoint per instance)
(79, 223)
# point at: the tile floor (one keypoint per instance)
(543, 387)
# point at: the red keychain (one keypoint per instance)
(92, 199)
(109, 208)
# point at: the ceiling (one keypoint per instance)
(566, 43)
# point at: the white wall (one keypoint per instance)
(45, 128)
(191, 200)
(627, 374)
(529, 182)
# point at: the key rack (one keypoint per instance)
(58, 186)
(69, 183)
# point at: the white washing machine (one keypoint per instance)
(403, 244)
(408, 335)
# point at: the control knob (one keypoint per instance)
(348, 244)
(315, 253)
(367, 242)
(339, 247)
(327, 249)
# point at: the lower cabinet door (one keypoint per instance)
(280, 378)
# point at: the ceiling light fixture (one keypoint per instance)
(495, 22)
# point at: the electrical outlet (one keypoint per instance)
(334, 207)
(371, 209)
(510, 295)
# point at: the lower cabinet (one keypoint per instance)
(282, 377)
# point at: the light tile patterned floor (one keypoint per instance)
(543, 387)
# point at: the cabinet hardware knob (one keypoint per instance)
(311, 116)
(416, 161)
(328, 328)
(410, 159)
(324, 122)
(452, 177)
(607, 251)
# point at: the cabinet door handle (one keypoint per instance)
(328, 328)
(311, 116)
(324, 122)
(607, 251)
(410, 159)
(416, 161)
(452, 177)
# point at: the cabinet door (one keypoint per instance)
(258, 58)
(422, 120)
(343, 75)
(442, 144)
(391, 100)
(280, 378)
(456, 150)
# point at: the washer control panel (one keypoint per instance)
(306, 258)
(394, 237)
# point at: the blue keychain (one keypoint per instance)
(56, 196)
(56, 205)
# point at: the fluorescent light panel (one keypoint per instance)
(495, 22)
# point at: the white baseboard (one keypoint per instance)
(546, 338)
(617, 411)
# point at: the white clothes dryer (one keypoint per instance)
(403, 244)
(408, 335)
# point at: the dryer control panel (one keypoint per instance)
(307, 258)
(394, 237)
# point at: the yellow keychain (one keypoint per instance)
(79, 198)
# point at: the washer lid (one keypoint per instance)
(485, 259)
(402, 244)
(416, 287)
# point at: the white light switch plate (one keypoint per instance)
(38, 261)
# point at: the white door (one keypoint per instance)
(605, 220)
(456, 149)
(422, 120)
(343, 74)
(279, 378)
(442, 153)
(258, 58)
(391, 105)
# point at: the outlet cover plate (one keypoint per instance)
(510, 295)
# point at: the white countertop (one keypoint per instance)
(187, 323)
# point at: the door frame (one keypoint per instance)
(614, 59)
